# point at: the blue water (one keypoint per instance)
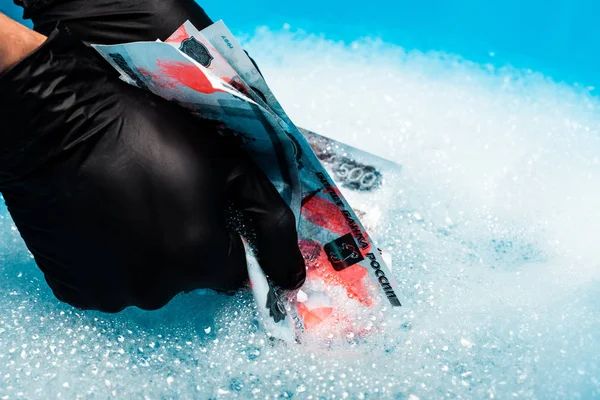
(492, 224)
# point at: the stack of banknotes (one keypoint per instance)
(209, 73)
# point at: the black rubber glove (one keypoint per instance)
(115, 21)
(120, 194)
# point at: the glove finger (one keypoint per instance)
(276, 238)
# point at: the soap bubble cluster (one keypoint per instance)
(492, 231)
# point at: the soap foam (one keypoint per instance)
(492, 230)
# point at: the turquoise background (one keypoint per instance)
(560, 38)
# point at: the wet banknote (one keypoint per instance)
(359, 175)
(330, 230)
(164, 70)
(333, 241)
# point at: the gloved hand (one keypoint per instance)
(120, 194)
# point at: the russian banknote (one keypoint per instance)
(326, 213)
(209, 73)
